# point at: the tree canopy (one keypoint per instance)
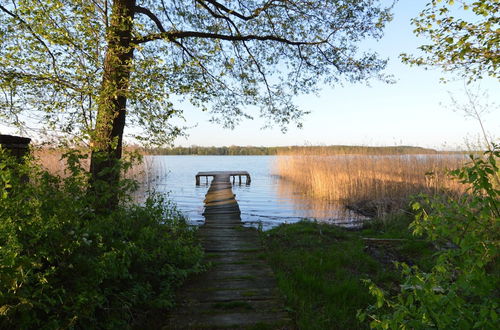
(232, 58)
(464, 37)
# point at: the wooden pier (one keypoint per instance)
(223, 174)
(238, 291)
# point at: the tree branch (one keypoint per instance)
(40, 78)
(261, 71)
(255, 13)
(173, 35)
(148, 13)
(204, 69)
(28, 27)
(214, 14)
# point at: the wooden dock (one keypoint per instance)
(223, 174)
(238, 291)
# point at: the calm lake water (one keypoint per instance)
(268, 200)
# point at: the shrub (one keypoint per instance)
(64, 266)
(461, 290)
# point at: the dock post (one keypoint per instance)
(197, 180)
(239, 179)
(248, 180)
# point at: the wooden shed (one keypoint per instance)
(17, 145)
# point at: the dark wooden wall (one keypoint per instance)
(18, 146)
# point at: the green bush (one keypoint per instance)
(461, 289)
(64, 266)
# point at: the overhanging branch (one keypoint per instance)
(233, 12)
(38, 38)
(148, 13)
(174, 35)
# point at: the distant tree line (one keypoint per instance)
(230, 151)
(261, 151)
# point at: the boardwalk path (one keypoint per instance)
(238, 291)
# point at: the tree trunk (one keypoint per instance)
(107, 138)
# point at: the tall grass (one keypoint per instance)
(366, 181)
(144, 170)
(51, 159)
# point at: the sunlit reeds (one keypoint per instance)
(366, 181)
(51, 159)
(143, 170)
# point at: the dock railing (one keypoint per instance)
(232, 174)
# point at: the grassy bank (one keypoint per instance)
(320, 268)
(447, 279)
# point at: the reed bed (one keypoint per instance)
(145, 172)
(51, 159)
(366, 182)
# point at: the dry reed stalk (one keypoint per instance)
(144, 172)
(51, 159)
(383, 181)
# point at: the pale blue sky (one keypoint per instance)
(413, 111)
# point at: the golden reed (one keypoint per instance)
(361, 178)
(52, 160)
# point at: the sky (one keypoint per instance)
(416, 110)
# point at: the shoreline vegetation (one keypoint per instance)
(431, 265)
(330, 277)
(371, 182)
(320, 268)
(66, 265)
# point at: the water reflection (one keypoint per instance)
(322, 210)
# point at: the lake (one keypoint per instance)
(267, 201)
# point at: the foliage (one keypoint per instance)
(464, 40)
(51, 58)
(223, 56)
(198, 150)
(63, 266)
(461, 289)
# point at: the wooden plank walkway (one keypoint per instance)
(239, 290)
